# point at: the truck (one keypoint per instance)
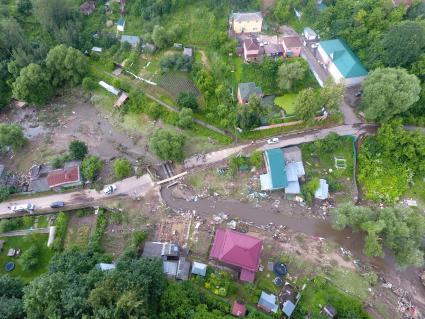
(23, 207)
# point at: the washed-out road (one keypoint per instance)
(129, 187)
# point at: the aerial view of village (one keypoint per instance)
(212, 159)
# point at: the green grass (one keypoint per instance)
(43, 221)
(24, 243)
(287, 102)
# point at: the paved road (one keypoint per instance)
(133, 186)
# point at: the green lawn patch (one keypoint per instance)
(176, 82)
(43, 221)
(287, 102)
(23, 243)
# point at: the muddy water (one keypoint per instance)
(263, 215)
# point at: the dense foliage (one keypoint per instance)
(388, 161)
(167, 145)
(397, 228)
(11, 137)
(78, 149)
(90, 167)
(122, 168)
(11, 292)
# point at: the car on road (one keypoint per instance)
(23, 207)
(57, 204)
(108, 190)
(273, 140)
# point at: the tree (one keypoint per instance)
(388, 92)
(332, 96)
(307, 104)
(167, 145)
(248, 115)
(32, 85)
(11, 287)
(11, 308)
(290, 73)
(256, 159)
(11, 137)
(416, 11)
(66, 65)
(404, 43)
(24, 7)
(90, 167)
(89, 84)
(122, 168)
(185, 119)
(30, 258)
(4, 193)
(160, 37)
(418, 67)
(78, 149)
(188, 100)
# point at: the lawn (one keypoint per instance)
(23, 243)
(177, 82)
(287, 102)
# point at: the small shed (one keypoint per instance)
(238, 309)
(121, 24)
(199, 269)
(170, 268)
(329, 311)
(323, 191)
(121, 100)
(267, 302)
(183, 269)
(105, 266)
(97, 49)
(188, 52)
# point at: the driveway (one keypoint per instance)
(130, 187)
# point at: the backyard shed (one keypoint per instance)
(105, 266)
(109, 88)
(238, 309)
(121, 24)
(267, 302)
(183, 269)
(199, 269)
(188, 52)
(121, 100)
(159, 249)
(323, 191)
(170, 268)
(97, 49)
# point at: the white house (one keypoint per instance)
(341, 63)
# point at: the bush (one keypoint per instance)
(89, 84)
(187, 100)
(12, 224)
(78, 150)
(61, 224)
(175, 62)
(309, 189)
(167, 145)
(30, 259)
(59, 161)
(122, 168)
(4, 193)
(90, 167)
(101, 224)
(185, 118)
(154, 111)
(256, 159)
(139, 238)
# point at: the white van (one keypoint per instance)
(22, 207)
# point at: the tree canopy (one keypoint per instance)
(248, 115)
(388, 92)
(167, 145)
(11, 137)
(122, 168)
(307, 104)
(78, 149)
(290, 74)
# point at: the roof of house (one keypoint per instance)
(170, 268)
(288, 308)
(188, 52)
(268, 302)
(238, 309)
(246, 16)
(106, 267)
(248, 89)
(292, 42)
(183, 269)
(343, 57)
(292, 154)
(251, 44)
(88, 7)
(277, 168)
(133, 40)
(199, 268)
(64, 176)
(323, 191)
(158, 249)
(273, 48)
(237, 249)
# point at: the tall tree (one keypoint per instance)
(290, 74)
(11, 136)
(404, 43)
(167, 145)
(248, 115)
(307, 104)
(32, 85)
(388, 92)
(332, 95)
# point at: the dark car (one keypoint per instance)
(57, 204)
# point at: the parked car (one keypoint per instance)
(57, 204)
(23, 207)
(273, 140)
(108, 190)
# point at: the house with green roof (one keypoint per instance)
(341, 62)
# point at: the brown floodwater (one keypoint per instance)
(264, 213)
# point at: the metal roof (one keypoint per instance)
(133, 40)
(199, 268)
(323, 191)
(276, 167)
(247, 16)
(344, 59)
(170, 268)
(288, 308)
(268, 302)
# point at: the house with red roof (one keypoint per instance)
(64, 177)
(238, 309)
(238, 250)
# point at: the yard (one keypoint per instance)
(287, 102)
(23, 243)
(81, 226)
(177, 82)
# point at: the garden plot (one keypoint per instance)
(176, 82)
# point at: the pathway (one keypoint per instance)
(24, 232)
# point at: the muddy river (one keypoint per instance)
(265, 213)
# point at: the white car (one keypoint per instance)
(23, 207)
(108, 190)
(273, 140)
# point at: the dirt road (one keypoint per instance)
(130, 187)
